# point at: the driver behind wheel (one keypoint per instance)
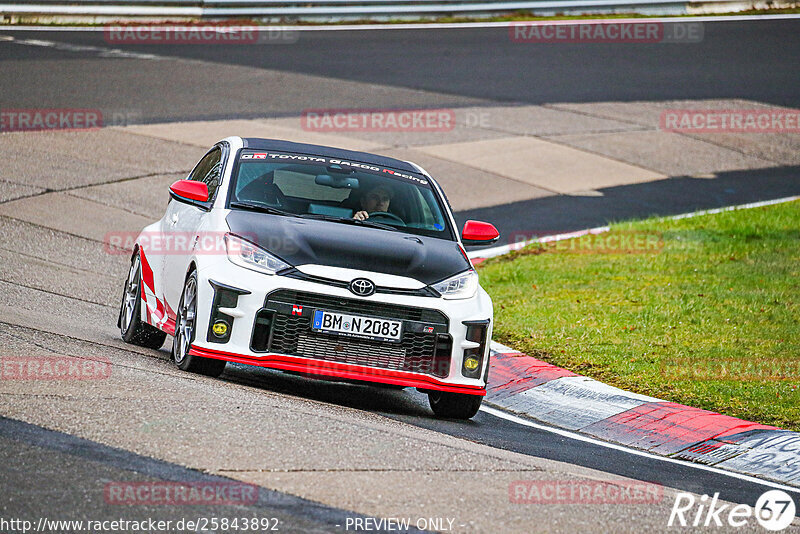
(373, 200)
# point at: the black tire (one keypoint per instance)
(131, 327)
(454, 405)
(185, 331)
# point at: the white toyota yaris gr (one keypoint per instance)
(315, 260)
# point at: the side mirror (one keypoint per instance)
(189, 190)
(479, 233)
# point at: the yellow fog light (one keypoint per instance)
(471, 363)
(220, 328)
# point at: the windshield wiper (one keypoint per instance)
(357, 222)
(263, 209)
(276, 211)
(376, 225)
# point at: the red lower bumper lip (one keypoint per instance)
(324, 368)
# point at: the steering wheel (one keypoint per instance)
(387, 215)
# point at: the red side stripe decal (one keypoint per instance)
(171, 315)
(168, 326)
(147, 272)
(160, 312)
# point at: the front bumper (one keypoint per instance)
(269, 326)
(326, 369)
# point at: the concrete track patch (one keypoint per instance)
(58, 211)
(550, 166)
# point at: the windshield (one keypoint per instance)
(338, 190)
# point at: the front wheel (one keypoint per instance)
(131, 326)
(454, 405)
(185, 333)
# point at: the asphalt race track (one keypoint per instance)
(461, 66)
(328, 456)
(469, 69)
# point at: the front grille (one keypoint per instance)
(416, 352)
(356, 306)
(388, 357)
(299, 275)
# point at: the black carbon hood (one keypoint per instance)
(309, 241)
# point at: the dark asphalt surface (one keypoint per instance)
(459, 67)
(411, 407)
(52, 476)
(682, 194)
(750, 60)
(56, 476)
(454, 67)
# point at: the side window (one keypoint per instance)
(209, 170)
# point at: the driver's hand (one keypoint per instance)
(361, 215)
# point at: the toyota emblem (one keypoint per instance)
(362, 287)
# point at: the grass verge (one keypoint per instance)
(702, 311)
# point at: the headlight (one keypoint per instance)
(245, 254)
(460, 286)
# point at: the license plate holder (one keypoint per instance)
(357, 326)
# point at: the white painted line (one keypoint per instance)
(444, 26)
(505, 249)
(760, 204)
(102, 52)
(572, 435)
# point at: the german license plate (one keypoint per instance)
(357, 326)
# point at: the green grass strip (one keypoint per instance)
(703, 311)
